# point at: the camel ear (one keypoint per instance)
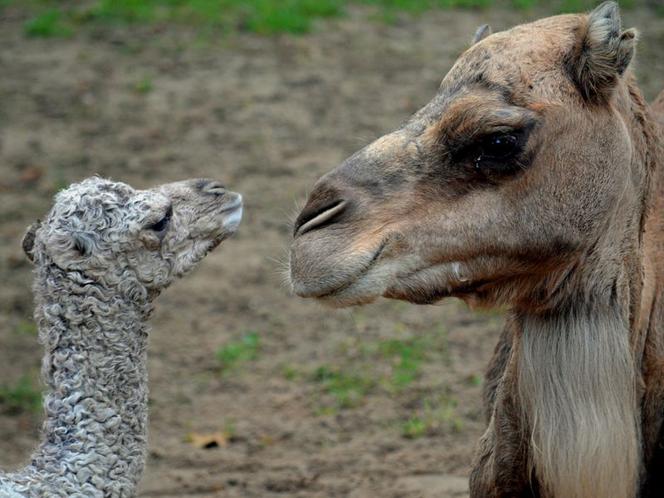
(604, 53)
(481, 33)
(28, 242)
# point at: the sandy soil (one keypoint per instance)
(267, 116)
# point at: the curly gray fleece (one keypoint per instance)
(102, 255)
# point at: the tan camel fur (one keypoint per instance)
(531, 180)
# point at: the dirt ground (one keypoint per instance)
(267, 116)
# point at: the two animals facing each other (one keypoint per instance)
(533, 179)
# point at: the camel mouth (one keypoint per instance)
(224, 224)
(359, 278)
(234, 206)
(231, 216)
(356, 285)
(354, 278)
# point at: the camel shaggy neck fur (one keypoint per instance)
(96, 374)
(101, 257)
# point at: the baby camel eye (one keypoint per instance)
(163, 223)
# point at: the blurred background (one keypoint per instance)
(254, 393)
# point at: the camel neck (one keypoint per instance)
(621, 266)
(95, 371)
(598, 329)
(647, 272)
(572, 417)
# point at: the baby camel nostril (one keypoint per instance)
(311, 219)
(213, 187)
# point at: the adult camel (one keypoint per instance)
(533, 179)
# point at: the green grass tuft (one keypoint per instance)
(144, 85)
(572, 6)
(347, 389)
(437, 415)
(466, 4)
(266, 17)
(259, 16)
(21, 397)
(390, 365)
(406, 356)
(524, 4)
(47, 24)
(289, 16)
(414, 428)
(128, 11)
(26, 327)
(237, 352)
(290, 372)
(475, 380)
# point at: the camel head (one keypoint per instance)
(118, 236)
(510, 174)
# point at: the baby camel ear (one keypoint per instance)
(481, 33)
(604, 53)
(28, 243)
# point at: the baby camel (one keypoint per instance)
(102, 256)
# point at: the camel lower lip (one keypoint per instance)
(352, 279)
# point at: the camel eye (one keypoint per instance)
(499, 152)
(498, 147)
(163, 223)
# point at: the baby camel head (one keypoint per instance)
(120, 237)
(513, 170)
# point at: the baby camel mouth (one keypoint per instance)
(236, 204)
(231, 216)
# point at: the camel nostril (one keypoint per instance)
(212, 187)
(317, 217)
